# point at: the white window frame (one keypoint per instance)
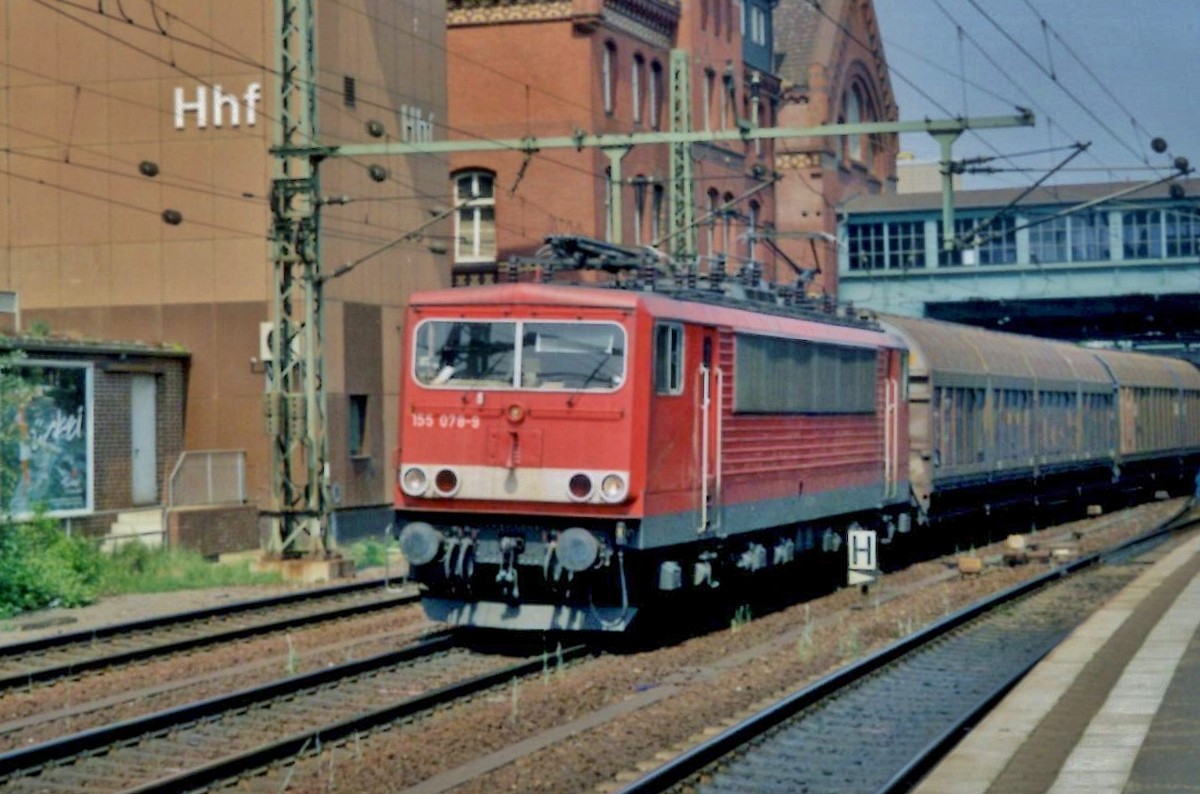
(635, 85)
(655, 89)
(608, 76)
(469, 221)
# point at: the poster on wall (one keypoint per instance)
(45, 439)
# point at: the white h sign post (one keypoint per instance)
(860, 546)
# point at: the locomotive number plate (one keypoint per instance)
(445, 421)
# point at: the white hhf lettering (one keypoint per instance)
(199, 107)
(220, 103)
(250, 98)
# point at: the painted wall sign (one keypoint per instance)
(219, 107)
(46, 439)
(415, 125)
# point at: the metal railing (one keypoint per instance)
(208, 477)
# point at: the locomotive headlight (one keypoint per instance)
(446, 482)
(613, 488)
(580, 487)
(413, 481)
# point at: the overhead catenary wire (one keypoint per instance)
(1050, 74)
(850, 34)
(246, 60)
(243, 59)
(1137, 125)
(999, 69)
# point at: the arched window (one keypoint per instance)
(635, 86)
(657, 211)
(710, 88)
(656, 94)
(727, 244)
(475, 221)
(752, 230)
(711, 235)
(639, 208)
(609, 226)
(853, 112)
(608, 76)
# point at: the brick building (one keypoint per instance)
(135, 190)
(833, 70)
(605, 66)
(89, 423)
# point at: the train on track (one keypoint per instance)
(570, 454)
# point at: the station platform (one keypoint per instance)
(1114, 708)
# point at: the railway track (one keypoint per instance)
(53, 658)
(879, 724)
(231, 736)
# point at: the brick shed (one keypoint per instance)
(90, 431)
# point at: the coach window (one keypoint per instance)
(668, 358)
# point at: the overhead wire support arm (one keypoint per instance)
(946, 131)
(602, 141)
(1080, 148)
(411, 234)
(1182, 169)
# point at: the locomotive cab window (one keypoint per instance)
(482, 354)
(668, 358)
(574, 356)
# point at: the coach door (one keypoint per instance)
(708, 421)
(894, 456)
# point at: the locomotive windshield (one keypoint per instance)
(551, 356)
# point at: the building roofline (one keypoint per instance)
(48, 344)
(1051, 195)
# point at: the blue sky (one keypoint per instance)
(1117, 62)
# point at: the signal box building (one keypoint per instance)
(136, 207)
(1108, 263)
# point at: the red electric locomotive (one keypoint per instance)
(569, 454)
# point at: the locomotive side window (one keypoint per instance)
(668, 358)
(791, 376)
(570, 356)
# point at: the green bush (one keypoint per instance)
(367, 554)
(135, 568)
(41, 566)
